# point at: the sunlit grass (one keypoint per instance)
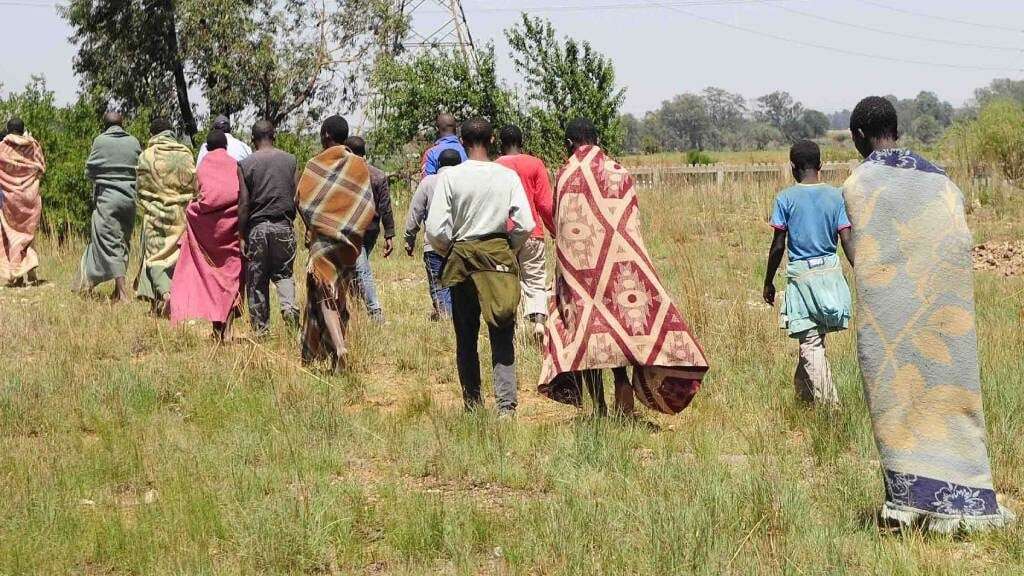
(129, 447)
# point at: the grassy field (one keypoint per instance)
(830, 152)
(129, 447)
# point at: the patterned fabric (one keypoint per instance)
(111, 166)
(21, 168)
(610, 308)
(166, 182)
(336, 203)
(917, 343)
(208, 275)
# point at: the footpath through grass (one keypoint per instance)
(128, 447)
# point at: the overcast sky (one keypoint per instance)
(662, 48)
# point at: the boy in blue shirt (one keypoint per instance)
(810, 220)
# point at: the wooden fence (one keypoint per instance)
(720, 174)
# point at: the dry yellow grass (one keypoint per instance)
(129, 447)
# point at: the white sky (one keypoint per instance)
(664, 47)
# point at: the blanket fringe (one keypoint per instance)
(903, 518)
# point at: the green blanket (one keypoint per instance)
(917, 343)
(492, 267)
(167, 182)
(111, 167)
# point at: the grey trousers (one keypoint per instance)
(269, 257)
(813, 378)
(466, 319)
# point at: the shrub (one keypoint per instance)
(994, 140)
(699, 157)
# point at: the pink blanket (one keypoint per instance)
(208, 276)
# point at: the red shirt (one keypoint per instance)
(537, 183)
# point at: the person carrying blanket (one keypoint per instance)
(810, 218)
(21, 168)
(916, 335)
(166, 181)
(610, 309)
(112, 168)
(335, 201)
(208, 277)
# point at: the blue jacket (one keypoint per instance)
(817, 297)
(432, 155)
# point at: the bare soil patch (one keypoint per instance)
(1004, 258)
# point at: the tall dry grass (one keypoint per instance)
(129, 447)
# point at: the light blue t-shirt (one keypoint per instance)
(813, 215)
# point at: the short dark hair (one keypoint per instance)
(356, 144)
(216, 140)
(511, 135)
(263, 130)
(16, 126)
(875, 117)
(581, 131)
(449, 157)
(805, 155)
(222, 123)
(477, 131)
(336, 128)
(158, 125)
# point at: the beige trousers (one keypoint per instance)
(813, 378)
(533, 277)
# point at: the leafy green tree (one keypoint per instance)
(1001, 89)
(129, 55)
(815, 124)
(684, 122)
(778, 109)
(727, 113)
(632, 133)
(563, 79)
(410, 93)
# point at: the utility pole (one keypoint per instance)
(436, 24)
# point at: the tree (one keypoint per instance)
(684, 122)
(778, 109)
(563, 79)
(1001, 89)
(129, 53)
(926, 129)
(632, 133)
(814, 124)
(409, 93)
(727, 113)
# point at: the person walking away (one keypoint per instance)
(917, 340)
(111, 166)
(266, 222)
(611, 310)
(478, 218)
(365, 285)
(236, 148)
(22, 166)
(809, 220)
(335, 201)
(166, 184)
(417, 215)
(532, 262)
(447, 140)
(208, 277)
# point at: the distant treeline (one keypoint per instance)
(716, 119)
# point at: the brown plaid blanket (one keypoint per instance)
(335, 201)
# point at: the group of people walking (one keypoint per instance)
(206, 230)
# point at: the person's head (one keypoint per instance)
(216, 140)
(873, 125)
(580, 132)
(112, 118)
(357, 145)
(16, 126)
(263, 133)
(446, 124)
(449, 157)
(511, 137)
(804, 159)
(222, 123)
(477, 133)
(158, 125)
(333, 132)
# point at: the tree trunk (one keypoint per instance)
(178, 69)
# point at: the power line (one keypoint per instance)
(943, 41)
(835, 49)
(614, 6)
(886, 6)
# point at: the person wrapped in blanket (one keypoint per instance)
(810, 219)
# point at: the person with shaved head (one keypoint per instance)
(21, 168)
(447, 140)
(265, 221)
(236, 148)
(111, 167)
